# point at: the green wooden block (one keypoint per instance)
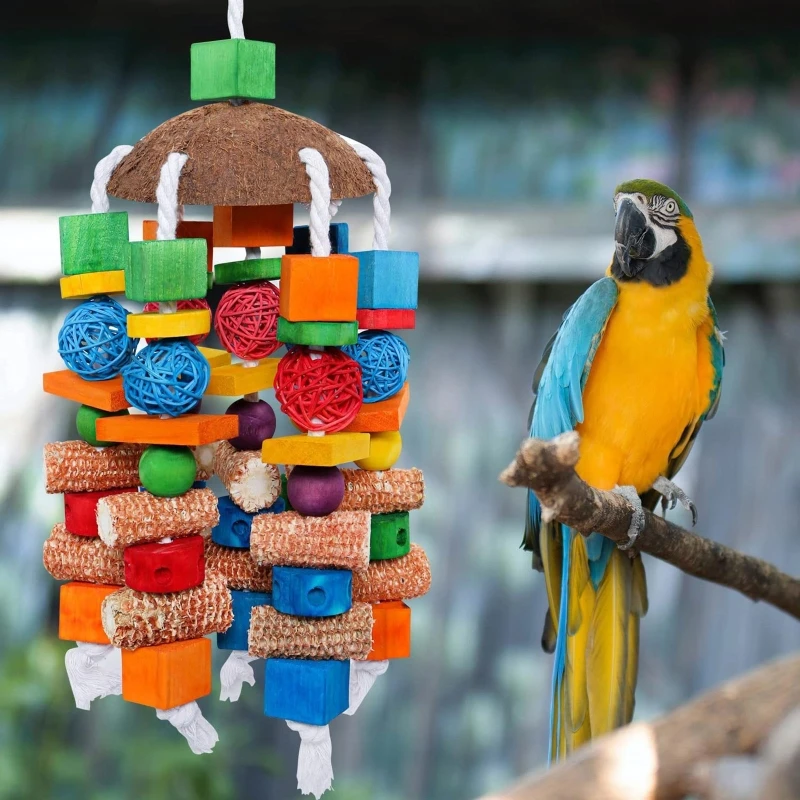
(254, 269)
(231, 68)
(329, 334)
(86, 421)
(167, 270)
(389, 536)
(94, 242)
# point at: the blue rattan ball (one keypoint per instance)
(94, 341)
(383, 358)
(166, 377)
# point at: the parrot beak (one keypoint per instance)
(635, 240)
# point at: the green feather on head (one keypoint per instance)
(652, 188)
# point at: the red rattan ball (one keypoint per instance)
(247, 320)
(184, 305)
(319, 390)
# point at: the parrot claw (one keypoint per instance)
(637, 518)
(671, 495)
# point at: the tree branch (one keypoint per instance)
(548, 468)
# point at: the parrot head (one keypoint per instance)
(655, 234)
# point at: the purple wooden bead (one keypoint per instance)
(256, 423)
(315, 491)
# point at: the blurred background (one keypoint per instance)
(505, 128)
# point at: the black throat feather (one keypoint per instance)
(668, 267)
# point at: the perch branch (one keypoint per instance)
(548, 468)
(657, 761)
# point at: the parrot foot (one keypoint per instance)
(671, 495)
(637, 518)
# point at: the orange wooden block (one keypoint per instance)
(106, 395)
(323, 289)
(253, 226)
(79, 612)
(387, 415)
(190, 429)
(391, 631)
(186, 230)
(167, 675)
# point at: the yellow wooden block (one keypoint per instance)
(216, 358)
(153, 325)
(236, 380)
(316, 451)
(88, 284)
(384, 450)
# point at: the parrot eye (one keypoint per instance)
(671, 207)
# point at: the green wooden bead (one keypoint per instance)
(167, 471)
(94, 242)
(333, 334)
(167, 270)
(389, 536)
(231, 68)
(86, 421)
(254, 269)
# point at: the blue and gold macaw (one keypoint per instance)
(635, 368)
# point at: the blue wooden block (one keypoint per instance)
(235, 638)
(199, 485)
(233, 528)
(313, 692)
(387, 278)
(312, 592)
(339, 236)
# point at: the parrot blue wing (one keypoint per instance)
(718, 361)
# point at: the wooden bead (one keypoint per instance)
(387, 319)
(191, 429)
(108, 395)
(235, 524)
(323, 334)
(153, 325)
(306, 592)
(232, 68)
(389, 536)
(252, 269)
(339, 235)
(237, 380)
(187, 229)
(80, 510)
(167, 675)
(216, 358)
(79, 612)
(167, 471)
(167, 270)
(94, 242)
(162, 568)
(387, 279)
(316, 451)
(88, 284)
(391, 631)
(385, 415)
(86, 423)
(319, 289)
(235, 638)
(311, 692)
(253, 226)
(384, 450)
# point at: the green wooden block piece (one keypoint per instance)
(285, 492)
(389, 537)
(329, 334)
(94, 242)
(231, 68)
(254, 269)
(86, 422)
(167, 270)
(167, 471)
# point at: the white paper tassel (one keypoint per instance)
(94, 671)
(235, 672)
(192, 725)
(363, 675)
(314, 770)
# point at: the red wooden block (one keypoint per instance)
(80, 510)
(387, 319)
(161, 568)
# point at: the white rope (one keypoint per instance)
(102, 175)
(363, 675)
(236, 671)
(189, 721)
(320, 211)
(314, 770)
(169, 209)
(235, 14)
(94, 671)
(382, 211)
